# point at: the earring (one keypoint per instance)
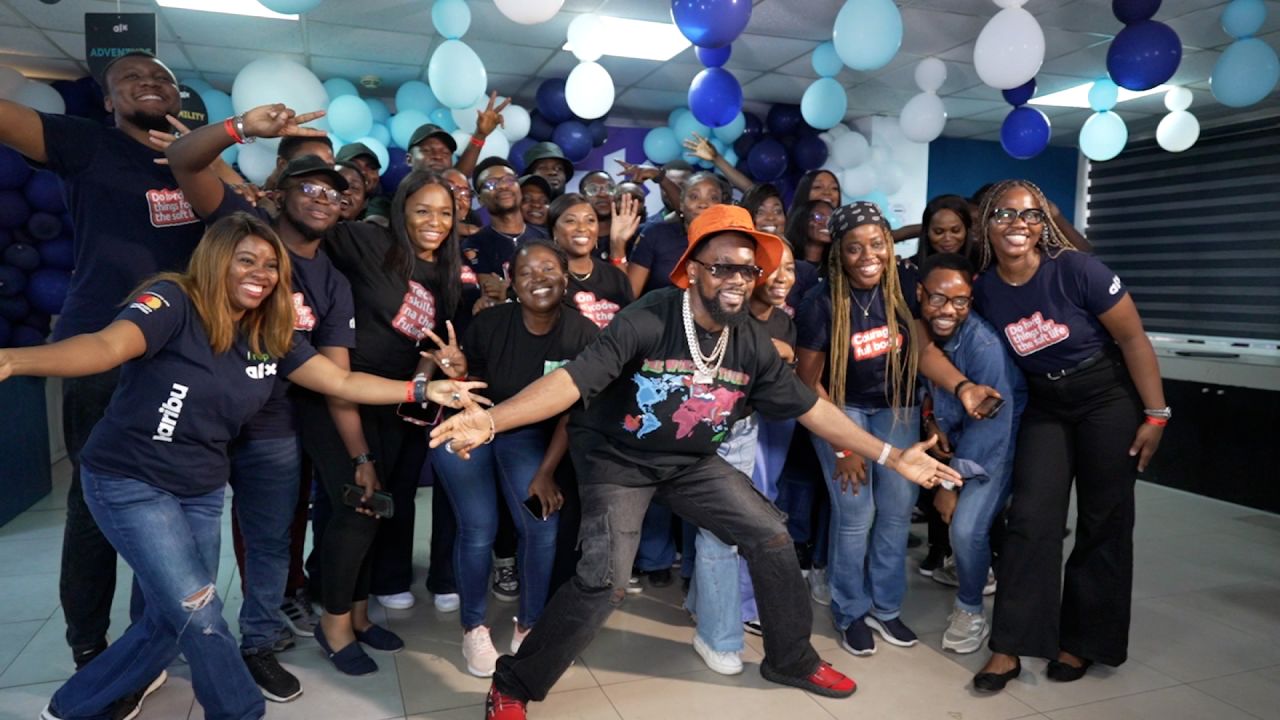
(1044, 235)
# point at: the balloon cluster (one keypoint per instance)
(588, 90)
(866, 170)
(36, 250)
(1010, 48)
(456, 74)
(261, 82)
(1248, 70)
(553, 120)
(1146, 52)
(825, 102)
(715, 96)
(1104, 134)
(867, 33)
(924, 116)
(1025, 132)
(1178, 130)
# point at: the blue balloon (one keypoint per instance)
(337, 87)
(1134, 11)
(405, 122)
(540, 128)
(217, 105)
(824, 104)
(674, 116)
(661, 146)
(444, 118)
(43, 226)
(381, 113)
(551, 101)
(711, 23)
(784, 119)
(743, 145)
(714, 57)
(574, 139)
(767, 160)
(1025, 132)
(381, 134)
(14, 169)
(22, 256)
(231, 155)
(1243, 18)
(809, 153)
(58, 253)
(26, 336)
(1246, 72)
(451, 18)
(4, 332)
(599, 132)
(867, 33)
(1021, 94)
(397, 168)
(732, 131)
(752, 124)
(198, 84)
(12, 281)
(715, 97)
(14, 209)
(13, 307)
(1144, 55)
(457, 74)
(349, 117)
(44, 192)
(518, 149)
(416, 95)
(6, 239)
(1103, 95)
(1103, 136)
(47, 290)
(826, 61)
(879, 198)
(291, 7)
(76, 97)
(687, 125)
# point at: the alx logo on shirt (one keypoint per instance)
(872, 343)
(169, 208)
(170, 412)
(1035, 333)
(263, 369)
(148, 302)
(1115, 285)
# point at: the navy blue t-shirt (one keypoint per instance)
(179, 404)
(806, 277)
(131, 220)
(660, 247)
(490, 251)
(1050, 322)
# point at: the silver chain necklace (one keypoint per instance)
(707, 366)
(866, 310)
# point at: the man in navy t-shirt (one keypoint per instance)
(131, 221)
(489, 251)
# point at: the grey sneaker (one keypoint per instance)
(506, 583)
(819, 588)
(946, 573)
(299, 615)
(965, 632)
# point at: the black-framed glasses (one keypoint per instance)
(728, 270)
(598, 188)
(314, 190)
(1030, 216)
(461, 191)
(506, 181)
(938, 300)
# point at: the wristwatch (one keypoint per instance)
(361, 459)
(1164, 413)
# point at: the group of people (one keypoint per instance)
(572, 376)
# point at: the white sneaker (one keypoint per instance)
(447, 602)
(819, 588)
(518, 636)
(990, 587)
(478, 652)
(965, 632)
(399, 601)
(946, 573)
(725, 663)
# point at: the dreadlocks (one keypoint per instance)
(1053, 242)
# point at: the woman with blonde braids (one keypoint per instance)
(1096, 412)
(858, 327)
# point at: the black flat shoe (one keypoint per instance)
(1063, 672)
(995, 682)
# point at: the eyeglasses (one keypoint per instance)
(598, 188)
(506, 181)
(1030, 216)
(460, 191)
(938, 300)
(313, 190)
(728, 270)
(821, 218)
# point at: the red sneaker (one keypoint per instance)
(498, 706)
(825, 681)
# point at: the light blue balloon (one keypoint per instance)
(349, 117)
(879, 198)
(731, 132)
(217, 104)
(731, 156)
(660, 145)
(1243, 18)
(404, 123)
(1103, 95)
(1246, 72)
(451, 18)
(824, 104)
(826, 61)
(687, 125)
(381, 114)
(416, 95)
(290, 7)
(200, 86)
(444, 118)
(380, 133)
(457, 75)
(379, 149)
(1103, 136)
(337, 87)
(674, 116)
(867, 33)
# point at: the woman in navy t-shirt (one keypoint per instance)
(201, 352)
(662, 244)
(1072, 327)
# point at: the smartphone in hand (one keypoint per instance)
(534, 505)
(990, 407)
(382, 504)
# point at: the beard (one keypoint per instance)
(149, 121)
(722, 316)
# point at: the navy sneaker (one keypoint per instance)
(894, 632)
(857, 638)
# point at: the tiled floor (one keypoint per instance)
(1205, 644)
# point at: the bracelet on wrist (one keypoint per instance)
(884, 454)
(842, 454)
(1152, 420)
(230, 126)
(420, 389)
(618, 260)
(476, 141)
(493, 427)
(244, 136)
(960, 385)
(361, 459)
(408, 390)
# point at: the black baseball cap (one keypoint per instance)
(433, 131)
(485, 164)
(313, 165)
(538, 180)
(354, 150)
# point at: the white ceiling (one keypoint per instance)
(393, 39)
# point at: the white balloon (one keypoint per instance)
(529, 12)
(496, 145)
(1178, 98)
(461, 137)
(515, 123)
(839, 131)
(1010, 3)
(10, 82)
(277, 80)
(931, 73)
(891, 179)
(851, 150)
(586, 37)
(1010, 49)
(858, 180)
(38, 96)
(465, 118)
(1178, 131)
(257, 161)
(589, 90)
(881, 156)
(923, 118)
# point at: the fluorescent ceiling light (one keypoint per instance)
(1078, 96)
(641, 39)
(252, 8)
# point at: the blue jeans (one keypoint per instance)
(773, 439)
(172, 544)
(657, 549)
(867, 569)
(979, 502)
(507, 466)
(264, 478)
(802, 497)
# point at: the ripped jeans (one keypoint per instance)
(172, 544)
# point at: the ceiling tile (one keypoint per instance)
(44, 68)
(672, 76)
(1203, 28)
(502, 58)
(1195, 67)
(391, 74)
(662, 100)
(759, 52)
(490, 25)
(980, 8)
(930, 32)
(23, 41)
(11, 17)
(262, 35)
(398, 15)
(228, 60)
(365, 44)
(776, 88)
(627, 71)
(1064, 42)
(959, 76)
(875, 97)
(966, 107)
(638, 10)
(69, 16)
(801, 19)
(1091, 62)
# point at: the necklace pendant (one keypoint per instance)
(702, 378)
(866, 313)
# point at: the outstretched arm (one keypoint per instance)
(914, 464)
(77, 356)
(21, 129)
(703, 148)
(547, 397)
(321, 375)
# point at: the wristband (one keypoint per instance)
(361, 459)
(618, 261)
(408, 390)
(959, 385)
(244, 136)
(230, 126)
(477, 141)
(1158, 422)
(842, 454)
(884, 454)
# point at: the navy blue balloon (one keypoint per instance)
(6, 239)
(47, 290)
(44, 192)
(38, 320)
(22, 256)
(540, 128)
(599, 132)
(1025, 132)
(1133, 11)
(60, 253)
(551, 101)
(26, 336)
(711, 23)
(43, 226)
(14, 209)
(12, 281)
(715, 97)
(14, 170)
(743, 145)
(13, 307)
(397, 169)
(78, 97)
(4, 332)
(1144, 55)
(518, 149)
(574, 139)
(1021, 94)
(767, 160)
(809, 152)
(784, 119)
(714, 57)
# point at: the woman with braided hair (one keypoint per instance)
(1096, 412)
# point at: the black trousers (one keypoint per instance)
(1078, 427)
(401, 450)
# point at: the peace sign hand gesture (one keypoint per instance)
(490, 118)
(449, 356)
(277, 120)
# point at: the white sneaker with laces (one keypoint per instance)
(447, 602)
(990, 587)
(965, 632)
(478, 652)
(398, 601)
(725, 663)
(518, 636)
(819, 588)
